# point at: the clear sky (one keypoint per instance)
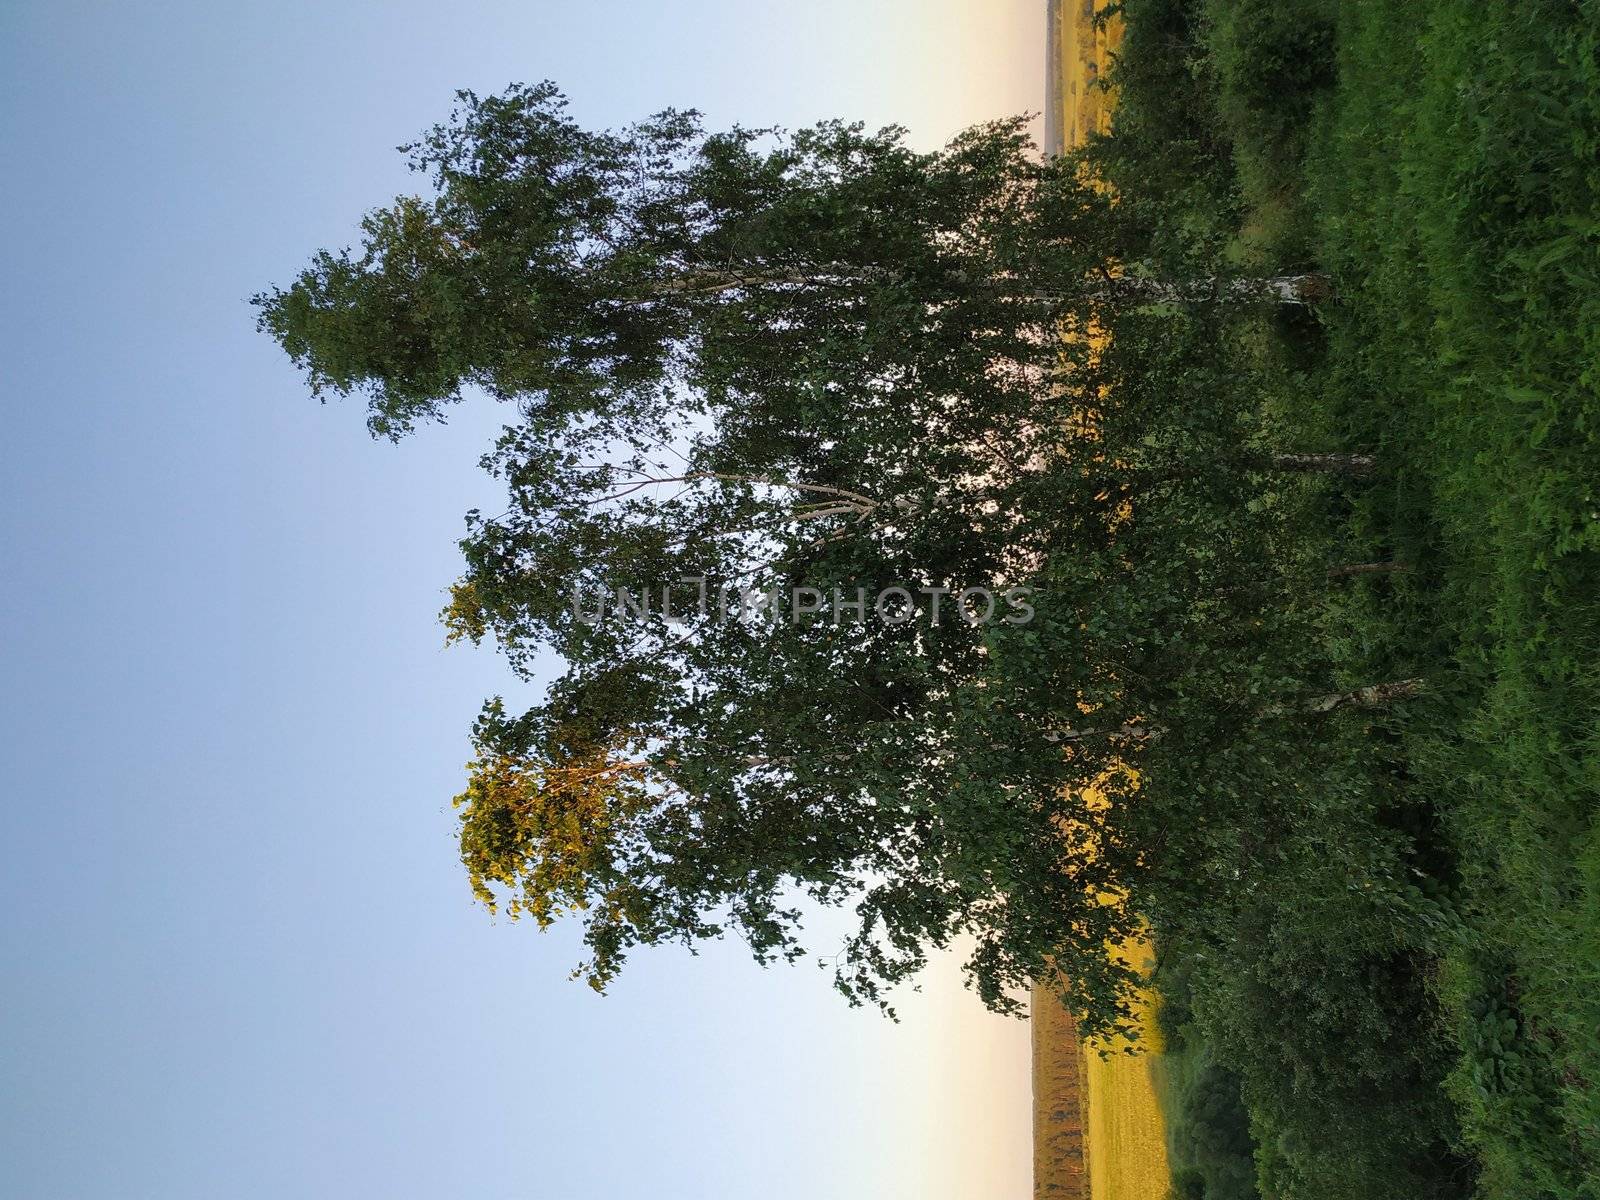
(239, 956)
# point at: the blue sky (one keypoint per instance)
(240, 958)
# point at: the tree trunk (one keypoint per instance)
(1123, 289)
(1322, 464)
(1273, 289)
(1371, 568)
(712, 283)
(1377, 695)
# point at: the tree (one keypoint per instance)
(586, 274)
(821, 367)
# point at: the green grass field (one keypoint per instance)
(1440, 159)
(1455, 189)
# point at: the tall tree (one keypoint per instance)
(818, 366)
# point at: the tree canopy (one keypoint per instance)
(816, 365)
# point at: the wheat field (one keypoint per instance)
(1079, 55)
(1098, 1131)
(1125, 1132)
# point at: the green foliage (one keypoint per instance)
(1273, 62)
(1170, 160)
(812, 363)
(1209, 1144)
(1446, 176)
(1459, 181)
(788, 362)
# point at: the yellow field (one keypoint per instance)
(1079, 55)
(1098, 1132)
(1127, 1136)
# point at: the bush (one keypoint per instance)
(1274, 65)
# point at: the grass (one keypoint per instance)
(1441, 160)
(1456, 185)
